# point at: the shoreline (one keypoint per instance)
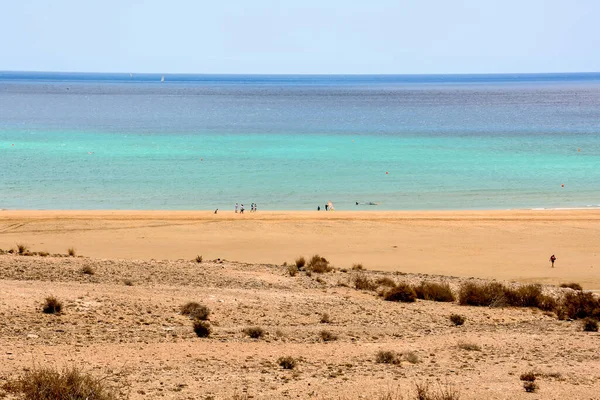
(497, 244)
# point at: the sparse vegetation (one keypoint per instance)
(292, 270)
(401, 292)
(201, 328)
(195, 311)
(46, 383)
(528, 379)
(434, 291)
(357, 267)
(387, 357)
(71, 252)
(88, 270)
(319, 265)
(495, 294)
(287, 362)
(572, 285)
(325, 318)
(128, 282)
(469, 346)
(327, 336)
(385, 281)
(579, 305)
(362, 282)
(590, 325)
(411, 357)
(423, 391)
(198, 259)
(43, 254)
(457, 319)
(52, 305)
(22, 248)
(300, 262)
(255, 332)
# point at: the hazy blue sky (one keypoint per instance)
(304, 36)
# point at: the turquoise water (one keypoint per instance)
(458, 142)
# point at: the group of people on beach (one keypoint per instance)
(241, 208)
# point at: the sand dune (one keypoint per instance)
(510, 245)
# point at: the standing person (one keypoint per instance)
(318, 208)
(236, 207)
(326, 207)
(254, 207)
(552, 259)
(242, 209)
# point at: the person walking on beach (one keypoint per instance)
(236, 207)
(326, 207)
(242, 209)
(552, 259)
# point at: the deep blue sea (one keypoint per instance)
(405, 142)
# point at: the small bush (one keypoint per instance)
(287, 362)
(43, 254)
(528, 376)
(362, 282)
(325, 318)
(292, 270)
(387, 357)
(402, 292)
(22, 248)
(88, 270)
(590, 325)
(201, 328)
(128, 282)
(195, 311)
(385, 281)
(319, 265)
(198, 259)
(71, 252)
(579, 305)
(443, 392)
(469, 346)
(300, 262)
(70, 384)
(488, 294)
(434, 291)
(457, 319)
(411, 357)
(357, 267)
(327, 336)
(572, 285)
(530, 387)
(52, 305)
(254, 332)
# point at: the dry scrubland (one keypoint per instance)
(277, 331)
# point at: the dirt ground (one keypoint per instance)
(124, 323)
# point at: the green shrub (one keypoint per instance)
(402, 292)
(434, 291)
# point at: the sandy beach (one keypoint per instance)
(507, 245)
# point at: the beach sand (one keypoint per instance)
(507, 245)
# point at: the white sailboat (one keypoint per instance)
(162, 79)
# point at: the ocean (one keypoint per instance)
(401, 142)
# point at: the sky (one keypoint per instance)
(300, 37)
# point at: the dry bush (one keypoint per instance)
(22, 248)
(45, 383)
(198, 259)
(572, 285)
(327, 336)
(201, 328)
(402, 292)
(469, 346)
(528, 376)
(528, 379)
(325, 318)
(434, 291)
(71, 252)
(363, 282)
(43, 254)
(292, 270)
(287, 362)
(457, 319)
(357, 267)
(590, 325)
(423, 391)
(300, 262)
(579, 305)
(52, 305)
(530, 387)
(195, 311)
(255, 332)
(411, 357)
(387, 357)
(88, 270)
(128, 282)
(385, 281)
(487, 294)
(319, 265)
